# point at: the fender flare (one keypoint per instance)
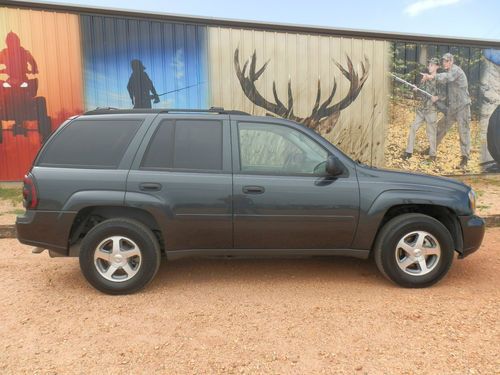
(370, 220)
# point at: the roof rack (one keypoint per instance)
(109, 110)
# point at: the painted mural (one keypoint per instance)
(40, 82)
(443, 98)
(142, 64)
(402, 105)
(336, 86)
(324, 114)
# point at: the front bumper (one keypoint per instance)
(473, 232)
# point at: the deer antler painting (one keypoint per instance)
(324, 116)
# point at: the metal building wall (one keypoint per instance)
(173, 55)
(303, 59)
(86, 58)
(52, 39)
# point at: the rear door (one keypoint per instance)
(282, 200)
(183, 170)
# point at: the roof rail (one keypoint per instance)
(110, 110)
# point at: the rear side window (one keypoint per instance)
(185, 144)
(90, 144)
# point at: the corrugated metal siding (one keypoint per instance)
(53, 39)
(85, 61)
(303, 59)
(174, 57)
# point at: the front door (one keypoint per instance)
(282, 199)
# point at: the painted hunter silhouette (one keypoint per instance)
(140, 87)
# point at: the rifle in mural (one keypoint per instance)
(182, 88)
(440, 105)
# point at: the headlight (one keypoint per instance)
(6, 84)
(23, 85)
(472, 200)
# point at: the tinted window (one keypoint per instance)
(86, 144)
(186, 144)
(278, 149)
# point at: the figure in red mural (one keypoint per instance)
(18, 100)
(18, 61)
(140, 87)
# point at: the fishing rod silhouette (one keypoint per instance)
(182, 88)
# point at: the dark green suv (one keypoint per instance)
(122, 188)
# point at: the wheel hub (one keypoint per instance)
(117, 258)
(418, 253)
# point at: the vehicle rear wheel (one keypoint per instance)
(119, 256)
(493, 136)
(414, 250)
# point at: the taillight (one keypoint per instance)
(30, 195)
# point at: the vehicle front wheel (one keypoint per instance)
(119, 256)
(414, 250)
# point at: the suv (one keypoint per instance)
(122, 188)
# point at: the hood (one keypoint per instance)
(411, 180)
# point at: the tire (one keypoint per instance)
(493, 135)
(400, 237)
(119, 256)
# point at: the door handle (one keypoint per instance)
(253, 189)
(150, 186)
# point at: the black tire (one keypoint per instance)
(493, 136)
(129, 229)
(386, 250)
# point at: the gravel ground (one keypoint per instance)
(8, 211)
(322, 315)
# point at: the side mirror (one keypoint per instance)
(333, 166)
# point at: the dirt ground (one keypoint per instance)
(8, 211)
(487, 189)
(321, 315)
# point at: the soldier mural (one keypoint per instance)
(18, 100)
(458, 104)
(140, 87)
(427, 112)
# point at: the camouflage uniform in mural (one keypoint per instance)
(458, 107)
(428, 113)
